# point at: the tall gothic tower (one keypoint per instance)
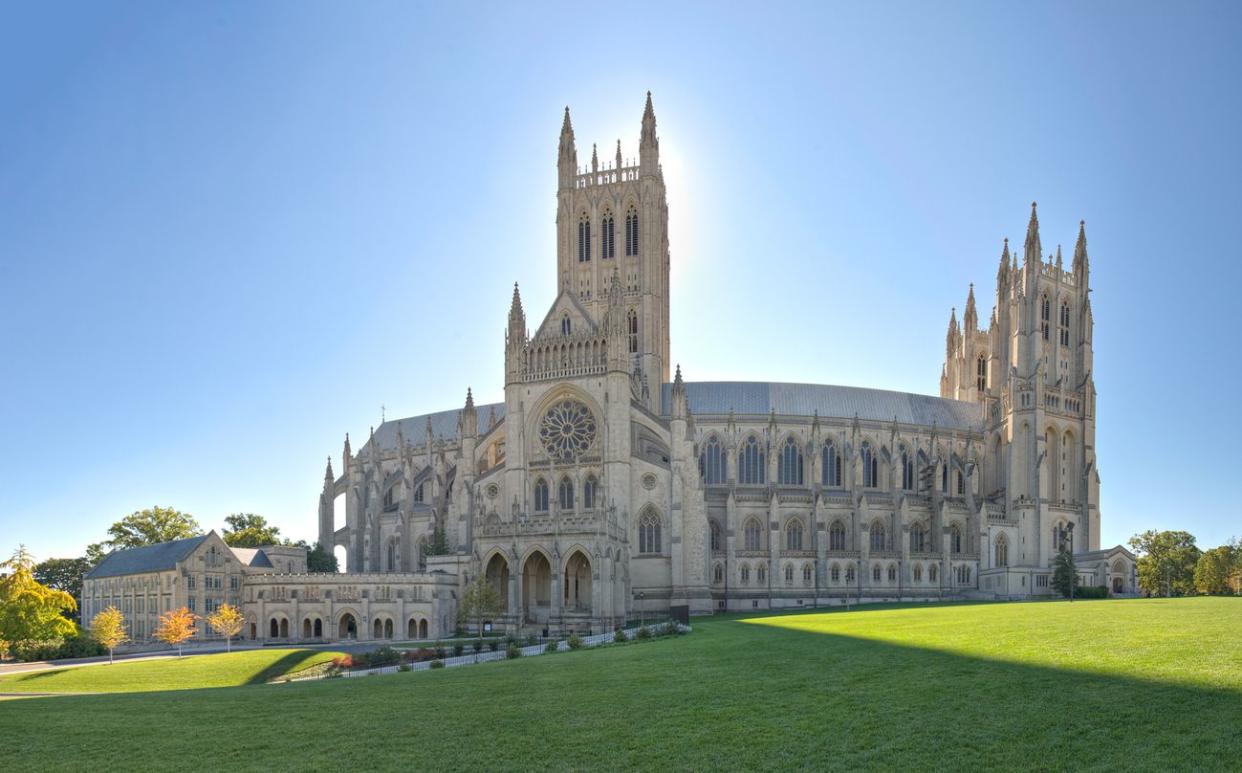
(614, 216)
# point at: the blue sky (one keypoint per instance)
(229, 233)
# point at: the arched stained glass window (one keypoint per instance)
(753, 535)
(871, 467)
(750, 463)
(631, 231)
(955, 539)
(584, 238)
(879, 537)
(832, 465)
(608, 241)
(649, 533)
(793, 535)
(567, 493)
(588, 492)
(541, 496)
(789, 465)
(712, 462)
(836, 536)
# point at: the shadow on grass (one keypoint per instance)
(737, 696)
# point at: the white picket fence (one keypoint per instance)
(501, 653)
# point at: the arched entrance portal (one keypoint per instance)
(284, 628)
(306, 628)
(348, 629)
(275, 628)
(578, 583)
(537, 588)
(422, 629)
(318, 628)
(498, 577)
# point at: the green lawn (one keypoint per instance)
(1117, 685)
(195, 672)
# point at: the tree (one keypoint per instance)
(227, 621)
(247, 530)
(151, 526)
(175, 627)
(95, 553)
(479, 602)
(29, 610)
(63, 574)
(438, 545)
(1064, 572)
(1166, 562)
(1215, 569)
(320, 559)
(108, 628)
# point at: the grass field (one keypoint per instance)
(1130, 685)
(196, 672)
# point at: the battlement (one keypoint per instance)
(607, 175)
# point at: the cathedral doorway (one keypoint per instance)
(537, 587)
(498, 578)
(348, 627)
(284, 628)
(318, 628)
(275, 628)
(306, 628)
(422, 629)
(578, 583)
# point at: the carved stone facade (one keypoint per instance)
(601, 486)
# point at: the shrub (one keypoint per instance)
(670, 628)
(342, 662)
(513, 651)
(621, 637)
(437, 663)
(458, 648)
(384, 656)
(1091, 592)
(552, 647)
(532, 640)
(77, 646)
(644, 633)
(575, 641)
(478, 645)
(440, 653)
(493, 645)
(403, 667)
(419, 655)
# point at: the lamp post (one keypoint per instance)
(1074, 577)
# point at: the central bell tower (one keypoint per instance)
(614, 216)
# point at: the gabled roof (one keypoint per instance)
(831, 402)
(252, 557)
(565, 303)
(414, 428)
(151, 558)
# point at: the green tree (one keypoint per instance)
(108, 628)
(247, 530)
(319, 559)
(63, 574)
(150, 526)
(1166, 561)
(1064, 572)
(437, 545)
(479, 602)
(1214, 570)
(29, 610)
(95, 552)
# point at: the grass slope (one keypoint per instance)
(195, 672)
(1140, 684)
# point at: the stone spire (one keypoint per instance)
(1081, 266)
(679, 408)
(515, 338)
(328, 477)
(970, 320)
(567, 155)
(1032, 253)
(1002, 271)
(950, 339)
(469, 417)
(1059, 264)
(346, 455)
(594, 158)
(649, 144)
(619, 164)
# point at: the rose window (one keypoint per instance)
(567, 430)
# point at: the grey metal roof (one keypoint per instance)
(831, 402)
(252, 557)
(151, 558)
(443, 425)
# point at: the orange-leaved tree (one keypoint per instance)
(108, 628)
(175, 627)
(226, 621)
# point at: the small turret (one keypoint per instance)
(328, 477)
(618, 166)
(469, 425)
(679, 408)
(970, 320)
(950, 338)
(1058, 260)
(515, 338)
(649, 144)
(567, 157)
(1002, 272)
(594, 158)
(1081, 267)
(1032, 253)
(346, 455)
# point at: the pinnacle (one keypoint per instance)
(469, 398)
(566, 125)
